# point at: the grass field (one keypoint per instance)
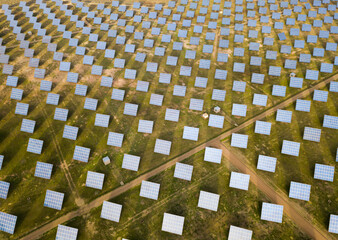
(19, 165)
(323, 198)
(143, 217)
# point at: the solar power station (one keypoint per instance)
(187, 96)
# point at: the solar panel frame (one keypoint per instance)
(208, 200)
(239, 181)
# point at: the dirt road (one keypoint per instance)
(214, 141)
(297, 214)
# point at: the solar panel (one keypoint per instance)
(94, 180)
(311, 74)
(16, 94)
(130, 74)
(27, 126)
(222, 57)
(262, 127)
(208, 201)
(118, 94)
(4, 187)
(239, 67)
(196, 104)
(7, 69)
(260, 99)
(284, 116)
(239, 109)
(274, 71)
(70, 132)
(81, 153)
(237, 233)
(162, 147)
(130, 109)
(296, 82)
(115, 139)
(53, 99)
(324, 172)
(1, 160)
(272, 212)
(165, 78)
(97, 70)
(300, 191)
(53, 199)
(239, 140)
(190, 133)
(218, 95)
(88, 60)
(72, 77)
(255, 61)
(172, 115)
(333, 86)
(111, 211)
(81, 90)
(131, 162)
(140, 57)
(306, 58)
(173, 223)
(12, 81)
(66, 233)
(239, 181)
(183, 171)
(216, 121)
(312, 134)
(266, 163)
(213, 155)
(145, 126)
(330, 122)
(185, 71)
(34, 62)
(43, 170)
(142, 86)
(149, 190)
(326, 67)
(291, 148)
(34, 146)
(109, 53)
(101, 120)
(333, 224)
(39, 73)
(159, 51)
(156, 99)
(7, 222)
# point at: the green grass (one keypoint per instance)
(19, 165)
(300, 169)
(142, 218)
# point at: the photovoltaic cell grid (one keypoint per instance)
(237, 233)
(43, 170)
(111, 211)
(131, 162)
(94, 180)
(34, 146)
(149, 190)
(66, 233)
(272, 212)
(239, 140)
(239, 180)
(7, 222)
(300, 191)
(208, 201)
(333, 224)
(173, 223)
(266, 163)
(312, 134)
(290, 148)
(81, 154)
(53, 200)
(4, 187)
(183, 171)
(324, 172)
